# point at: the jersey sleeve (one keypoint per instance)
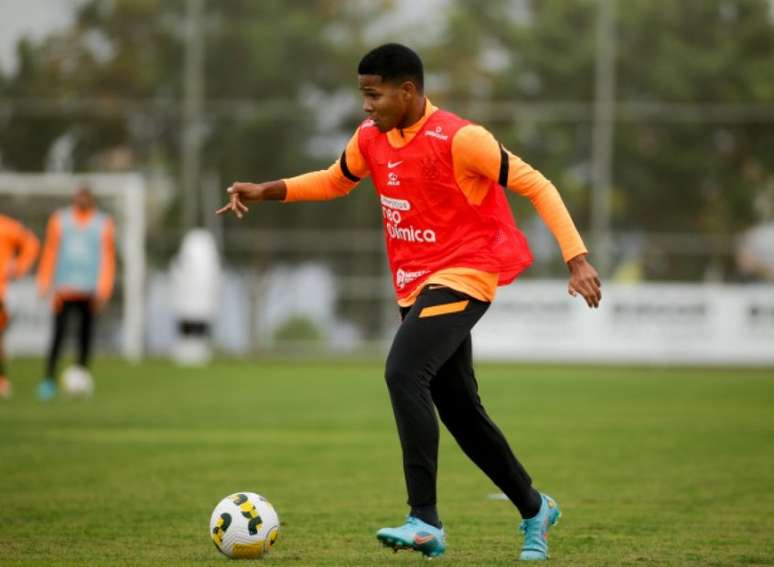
(49, 257)
(336, 181)
(477, 154)
(107, 265)
(28, 245)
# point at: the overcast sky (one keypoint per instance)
(35, 18)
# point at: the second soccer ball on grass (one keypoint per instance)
(76, 382)
(244, 525)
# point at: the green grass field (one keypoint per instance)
(651, 466)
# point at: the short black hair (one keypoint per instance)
(395, 63)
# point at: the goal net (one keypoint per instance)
(31, 198)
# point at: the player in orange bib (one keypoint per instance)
(77, 268)
(18, 250)
(451, 241)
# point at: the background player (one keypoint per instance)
(78, 265)
(451, 241)
(18, 250)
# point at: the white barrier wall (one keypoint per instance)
(31, 320)
(531, 321)
(644, 323)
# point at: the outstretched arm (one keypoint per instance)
(336, 181)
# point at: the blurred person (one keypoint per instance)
(195, 273)
(755, 253)
(77, 267)
(451, 241)
(18, 250)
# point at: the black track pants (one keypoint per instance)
(430, 364)
(84, 310)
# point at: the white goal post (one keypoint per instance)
(127, 191)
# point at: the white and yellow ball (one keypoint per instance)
(76, 382)
(244, 525)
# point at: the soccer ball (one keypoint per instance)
(244, 525)
(77, 382)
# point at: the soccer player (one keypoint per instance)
(451, 240)
(18, 250)
(78, 264)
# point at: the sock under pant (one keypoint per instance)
(83, 310)
(430, 366)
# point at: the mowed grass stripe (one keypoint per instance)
(651, 466)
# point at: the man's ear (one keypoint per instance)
(408, 90)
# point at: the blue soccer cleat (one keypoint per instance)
(46, 390)
(535, 530)
(416, 535)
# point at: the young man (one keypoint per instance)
(451, 241)
(18, 250)
(78, 262)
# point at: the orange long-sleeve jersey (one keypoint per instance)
(48, 259)
(476, 160)
(18, 250)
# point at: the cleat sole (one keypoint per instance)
(397, 545)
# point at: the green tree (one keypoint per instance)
(114, 79)
(524, 68)
(678, 167)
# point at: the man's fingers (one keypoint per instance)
(590, 298)
(596, 288)
(232, 206)
(235, 205)
(592, 295)
(588, 290)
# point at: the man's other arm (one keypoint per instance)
(477, 155)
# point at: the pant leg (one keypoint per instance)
(423, 343)
(455, 393)
(86, 331)
(55, 348)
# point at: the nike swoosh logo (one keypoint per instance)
(422, 540)
(390, 164)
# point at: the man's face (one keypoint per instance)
(385, 103)
(83, 199)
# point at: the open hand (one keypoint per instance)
(237, 194)
(584, 280)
